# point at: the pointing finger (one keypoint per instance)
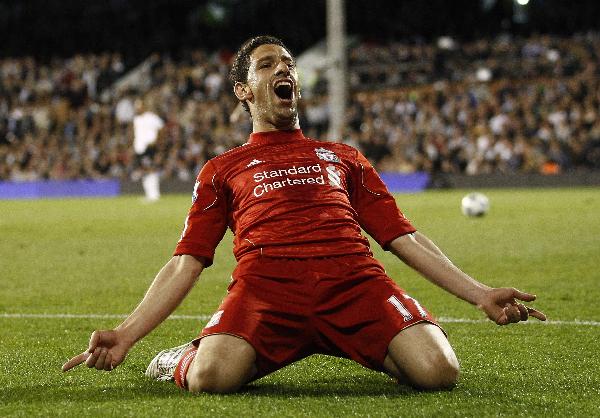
(75, 361)
(536, 314)
(527, 297)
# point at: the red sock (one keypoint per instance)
(183, 366)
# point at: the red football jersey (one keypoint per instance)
(285, 195)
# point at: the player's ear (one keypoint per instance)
(242, 91)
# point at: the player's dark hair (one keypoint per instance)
(241, 60)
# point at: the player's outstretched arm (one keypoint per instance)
(108, 348)
(500, 305)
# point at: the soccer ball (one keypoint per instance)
(475, 204)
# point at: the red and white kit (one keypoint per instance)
(306, 281)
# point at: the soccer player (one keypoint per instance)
(147, 128)
(306, 281)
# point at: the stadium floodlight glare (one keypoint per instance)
(523, 2)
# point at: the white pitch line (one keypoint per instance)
(443, 319)
(531, 322)
(91, 316)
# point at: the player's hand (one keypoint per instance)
(106, 350)
(503, 307)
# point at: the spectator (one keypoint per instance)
(413, 106)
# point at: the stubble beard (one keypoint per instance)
(282, 118)
(287, 119)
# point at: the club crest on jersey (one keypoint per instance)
(327, 155)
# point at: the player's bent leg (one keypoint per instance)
(422, 357)
(223, 364)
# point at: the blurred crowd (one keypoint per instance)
(73, 118)
(504, 57)
(504, 105)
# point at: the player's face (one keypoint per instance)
(273, 83)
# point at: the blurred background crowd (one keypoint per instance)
(504, 104)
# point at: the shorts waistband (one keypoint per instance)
(260, 254)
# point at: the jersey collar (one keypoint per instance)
(275, 137)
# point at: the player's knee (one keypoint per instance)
(212, 378)
(438, 373)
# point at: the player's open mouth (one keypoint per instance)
(284, 89)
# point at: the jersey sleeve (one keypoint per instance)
(206, 221)
(378, 213)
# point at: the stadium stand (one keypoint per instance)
(504, 105)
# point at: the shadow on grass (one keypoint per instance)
(332, 388)
(140, 389)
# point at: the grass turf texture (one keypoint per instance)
(97, 256)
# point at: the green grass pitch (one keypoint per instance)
(97, 256)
